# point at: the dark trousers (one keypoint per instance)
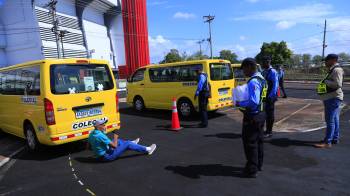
(281, 84)
(253, 135)
(203, 104)
(270, 115)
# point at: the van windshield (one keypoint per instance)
(220, 71)
(73, 78)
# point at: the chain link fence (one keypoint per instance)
(312, 73)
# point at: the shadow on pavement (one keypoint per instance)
(225, 135)
(93, 160)
(196, 171)
(286, 142)
(52, 152)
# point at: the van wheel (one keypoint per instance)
(139, 104)
(185, 108)
(31, 139)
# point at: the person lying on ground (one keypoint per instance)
(108, 150)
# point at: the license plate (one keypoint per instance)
(83, 113)
(223, 92)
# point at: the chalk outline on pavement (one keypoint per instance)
(76, 176)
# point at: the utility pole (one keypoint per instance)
(324, 38)
(55, 29)
(208, 19)
(62, 33)
(200, 47)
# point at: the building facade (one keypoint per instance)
(113, 30)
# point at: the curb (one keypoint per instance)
(7, 159)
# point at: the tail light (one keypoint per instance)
(116, 102)
(49, 112)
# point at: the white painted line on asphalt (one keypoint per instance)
(314, 129)
(75, 176)
(89, 191)
(7, 159)
(70, 163)
(72, 169)
(292, 114)
(81, 183)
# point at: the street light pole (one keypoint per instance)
(208, 19)
(324, 38)
(200, 47)
(52, 7)
(62, 33)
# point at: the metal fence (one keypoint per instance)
(312, 73)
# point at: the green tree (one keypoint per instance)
(344, 57)
(228, 55)
(306, 60)
(172, 56)
(295, 60)
(197, 56)
(279, 52)
(317, 59)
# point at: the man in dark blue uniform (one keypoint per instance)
(203, 93)
(254, 119)
(271, 76)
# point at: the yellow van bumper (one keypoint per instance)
(75, 136)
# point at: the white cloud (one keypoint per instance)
(184, 15)
(242, 37)
(156, 3)
(285, 24)
(289, 17)
(160, 46)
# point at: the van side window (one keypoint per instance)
(31, 80)
(138, 76)
(181, 73)
(21, 81)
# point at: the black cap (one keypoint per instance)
(266, 58)
(248, 62)
(331, 57)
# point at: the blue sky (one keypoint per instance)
(243, 25)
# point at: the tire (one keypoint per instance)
(185, 108)
(32, 141)
(139, 104)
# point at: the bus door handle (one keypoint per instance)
(142, 84)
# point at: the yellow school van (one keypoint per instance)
(155, 86)
(57, 101)
(238, 74)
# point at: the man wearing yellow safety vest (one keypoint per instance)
(330, 91)
(254, 118)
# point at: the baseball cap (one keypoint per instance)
(100, 122)
(331, 56)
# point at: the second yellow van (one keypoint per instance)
(155, 86)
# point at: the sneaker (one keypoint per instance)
(323, 145)
(250, 175)
(335, 142)
(152, 149)
(136, 141)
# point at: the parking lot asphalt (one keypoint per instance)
(190, 162)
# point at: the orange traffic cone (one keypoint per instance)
(279, 92)
(175, 123)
